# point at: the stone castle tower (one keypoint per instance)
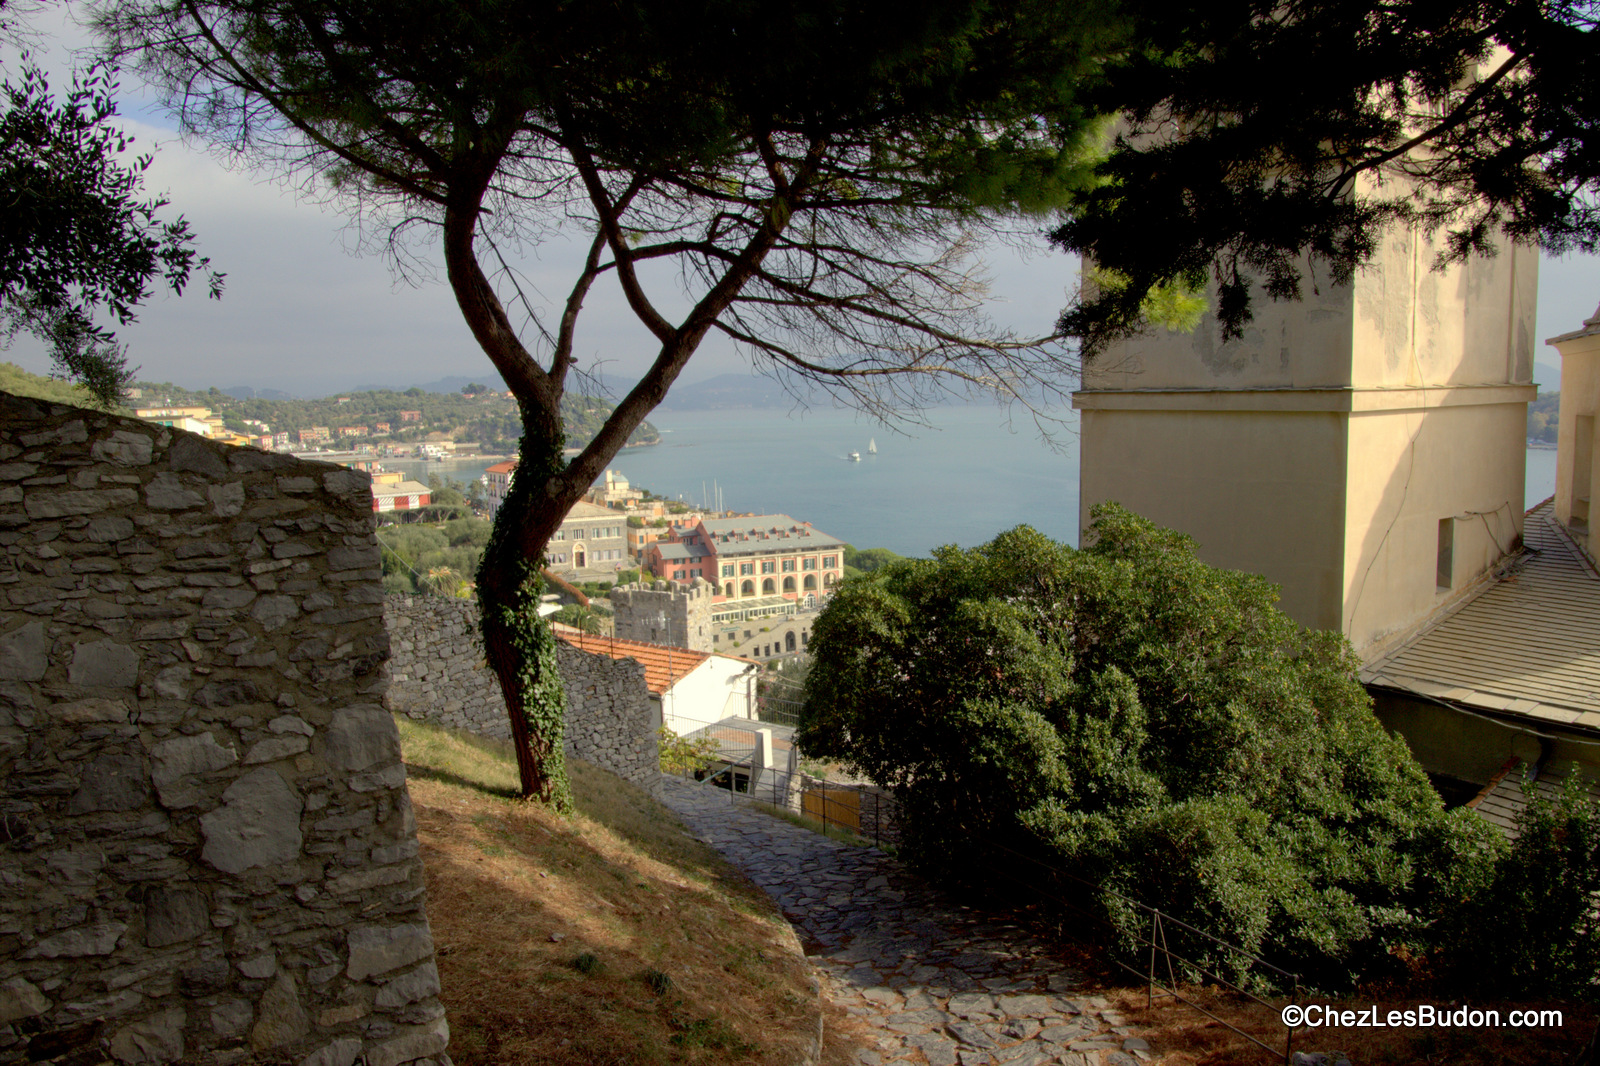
(1363, 448)
(665, 612)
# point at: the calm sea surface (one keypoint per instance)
(970, 476)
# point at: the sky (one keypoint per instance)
(307, 310)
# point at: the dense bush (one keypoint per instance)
(1534, 930)
(1148, 722)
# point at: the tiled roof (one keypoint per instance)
(765, 533)
(591, 510)
(663, 666)
(1526, 647)
(501, 468)
(675, 552)
(1503, 798)
(401, 488)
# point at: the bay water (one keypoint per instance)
(969, 474)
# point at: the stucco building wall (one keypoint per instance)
(207, 852)
(1325, 447)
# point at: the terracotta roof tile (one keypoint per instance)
(663, 666)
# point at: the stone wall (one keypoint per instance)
(437, 674)
(207, 852)
(665, 612)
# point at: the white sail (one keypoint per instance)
(872, 446)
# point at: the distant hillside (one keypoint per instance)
(19, 382)
(488, 419)
(1543, 416)
(727, 391)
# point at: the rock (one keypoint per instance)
(24, 653)
(261, 967)
(376, 949)
(1024, 1006)
(273, 611)
(42, 505)
(275, 748)
(19, 999)
(231, 1018)
(166, 492)
(104, 664)
(341, 1052)
(193, 455)
(418, 984)
(123, 448)
(362, 736)
(970, 1035)
(226, 500)
(206, 975)
(80, 712)
(158, 1038)
(173, 915)
(176, 759)
(280, 1019)
(968, 1004)
(116, 781)
(411, 1047)
(98, 939)
(258, 824)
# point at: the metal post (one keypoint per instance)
(1150, 988)
(1288, 1043)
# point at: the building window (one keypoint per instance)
(788, 566)
(768, 566)
(1445, 576)
(677, 575)
(559, 534)
(746, 569)
(830, 562)
(727, 569)
(808, 564)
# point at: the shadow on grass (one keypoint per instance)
(450, 777)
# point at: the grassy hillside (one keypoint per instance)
(19, 382)
(609, 937)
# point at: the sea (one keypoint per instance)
(969, 473)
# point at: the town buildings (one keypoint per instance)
(591, 538)
(753, 557)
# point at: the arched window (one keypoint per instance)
(747, 588)
(727, 590)
(811, 581)
(788, 641)
(767, 587)
(788, 584)
(827, 579)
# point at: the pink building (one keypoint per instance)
(751, 557)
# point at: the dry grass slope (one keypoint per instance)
(610, 937)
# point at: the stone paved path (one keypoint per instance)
(938, 983)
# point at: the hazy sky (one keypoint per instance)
(304, 314)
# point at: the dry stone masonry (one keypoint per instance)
(437, 674)
(207, 852)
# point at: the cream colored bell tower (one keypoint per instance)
(1363, 448)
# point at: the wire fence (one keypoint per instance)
(865, 811)
(1147, 952)
(1157, 971)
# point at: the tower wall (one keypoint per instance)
(665, 612)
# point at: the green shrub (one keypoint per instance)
(1529, 928)
(1148, 722)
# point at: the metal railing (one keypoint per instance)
(1156, 941)
(863, 810)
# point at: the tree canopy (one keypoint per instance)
(812, 181)
(79, 237)
(1149, 722)
(1261, 143)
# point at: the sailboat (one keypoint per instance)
(872, 446)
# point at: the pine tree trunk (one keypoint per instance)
(519, 645)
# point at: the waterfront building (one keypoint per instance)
(753, 557)
(590, 539)
(192, 419)
(399, 495)
(497, 482)
(613, 490)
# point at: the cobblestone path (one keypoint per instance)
(938, 984)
